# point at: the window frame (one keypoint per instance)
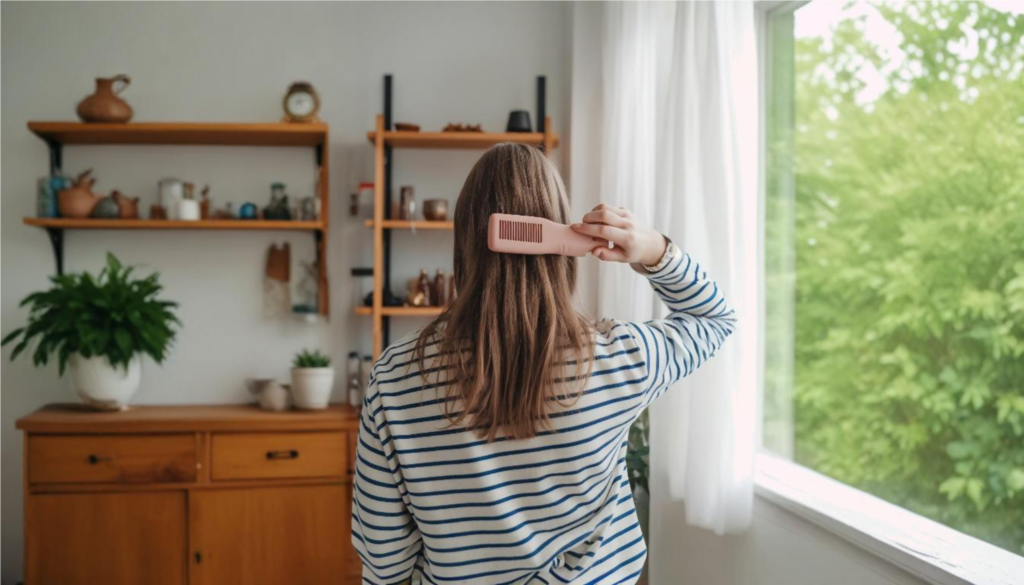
(929, 550)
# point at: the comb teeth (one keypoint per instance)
(520, 231)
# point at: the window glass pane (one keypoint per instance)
(895, 258)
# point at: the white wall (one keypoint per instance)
(232, 62)
(779, 549)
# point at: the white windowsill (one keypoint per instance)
(931, 551)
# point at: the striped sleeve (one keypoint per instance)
(384, 533)
(699, 320)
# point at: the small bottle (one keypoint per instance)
(440, 297)
(355, 394)
(423, 286)
(352, 371)
(452, 293)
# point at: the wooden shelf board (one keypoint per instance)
(457, 139)
(182, 133)
(402, 311)
(396, 224)
(166, 224)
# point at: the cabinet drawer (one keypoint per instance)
(112, 458)
(279, 455)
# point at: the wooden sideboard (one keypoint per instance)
(174, 495)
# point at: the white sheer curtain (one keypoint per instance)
(665, 123)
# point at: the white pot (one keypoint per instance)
(311, 387)
(101, 385)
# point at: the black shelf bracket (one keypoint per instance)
(57, 241)
(56, 235)
(56, 156)
(542, 102)
(388, 154)
(319, 156)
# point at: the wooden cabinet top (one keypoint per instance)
(73, 418)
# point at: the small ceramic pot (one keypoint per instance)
(435, 209)
(311, 387)
(519, 121)
(107, 208)
(188, 210)
(104, 105)
(269, 394)
(102, 386)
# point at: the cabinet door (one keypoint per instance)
(267, 536)
(114, 539)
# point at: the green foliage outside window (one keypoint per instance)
(908, 233)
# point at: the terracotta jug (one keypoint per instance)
(129, 206)
(104, 105)
(78, 201)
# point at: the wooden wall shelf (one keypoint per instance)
(166, 224)
(402, 311)
(398, 139)
(395, 224)
(58, 134)
(384, 140)
(280, 134)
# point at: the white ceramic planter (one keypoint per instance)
(101, 385)
(311, 387)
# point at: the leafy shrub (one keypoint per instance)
(111, 315)
(909, 220)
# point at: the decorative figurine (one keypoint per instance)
(278, 208)
(106, 208)
(128, 206)
(204, 203)
(104, 105)
(78, 201)
(453, 127)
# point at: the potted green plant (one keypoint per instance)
(98, 327)
(312, 380)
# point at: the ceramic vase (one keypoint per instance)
(311, 387)
(102, 386)
(105, 105)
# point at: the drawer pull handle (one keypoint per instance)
(292, 454)
(94, 459)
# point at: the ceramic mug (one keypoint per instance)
(269, 394)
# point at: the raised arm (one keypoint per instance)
(700, 318)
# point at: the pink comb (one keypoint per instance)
(522, 234)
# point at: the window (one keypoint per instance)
(895, 254)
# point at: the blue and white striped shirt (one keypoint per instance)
(438, 502)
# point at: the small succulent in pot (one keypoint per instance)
(312, 380)
(98, 327)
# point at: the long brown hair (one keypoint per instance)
(512, 344)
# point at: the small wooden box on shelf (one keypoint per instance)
(315, 134)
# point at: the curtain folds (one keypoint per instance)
(665, 123)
